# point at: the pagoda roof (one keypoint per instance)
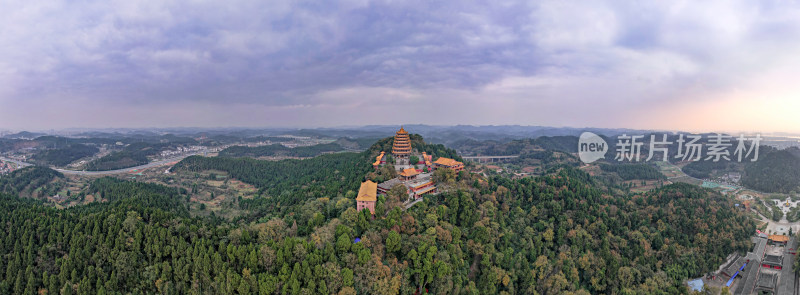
(368, 192)
(402, 131)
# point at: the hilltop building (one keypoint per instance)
(379, 160)
(427, 160)
(415, 188)
(414, 180)
(409, 174)
(367, 196)
(421, 186)
(402, 144)
(778, 240)
(443, 162)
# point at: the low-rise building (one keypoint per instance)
(379, 160)
(772, 261)
(734, 268)
(443, 162)
(420, 185)
(428, 160)
(367, 196)
(778, 240)
(409, 174)
(767, 282)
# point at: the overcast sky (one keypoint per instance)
(690, 65)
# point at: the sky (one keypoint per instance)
(674, 65)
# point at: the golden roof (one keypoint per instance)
(409, 172)
(447, 162)
(778, 238)
(426, 190)
(401, 131)
(368, 192)
(427, 157)
(421, 184)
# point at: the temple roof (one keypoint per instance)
(408, 172)
(779, 238)
(447, 162)
(368, 192)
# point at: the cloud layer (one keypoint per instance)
(295, 63)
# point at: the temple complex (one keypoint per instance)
(367, 196)
(417, 178)
(401, 148)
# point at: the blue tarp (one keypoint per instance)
(356, 240)
(734, 275)
(696, 285)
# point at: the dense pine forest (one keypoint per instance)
(633, 171)
(280, 150)
(554, 234)
(64, 156)
(26, 181)
(777, 171)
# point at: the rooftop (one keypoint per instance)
(408, 172)
(767, 281)
(387, 185)
(447, 162)
(779, 238)
(367, 192)
(735, 266)
(773, 259)
(401, 131)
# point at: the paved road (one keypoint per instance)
(109, 172)
(412, 203)
(127, 170)
(23, 164)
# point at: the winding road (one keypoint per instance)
(109, 172)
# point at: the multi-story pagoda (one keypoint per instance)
(402, 144)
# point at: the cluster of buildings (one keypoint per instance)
(181, 150)
(418, 182)
(764, 270)
(6, 167)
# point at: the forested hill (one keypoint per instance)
(575, 238)
(777, 171)
(65, 155)
(30, 181)
(550, 235)
(633, 171)
(287, 183)
(280, 150)
(287, 186)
